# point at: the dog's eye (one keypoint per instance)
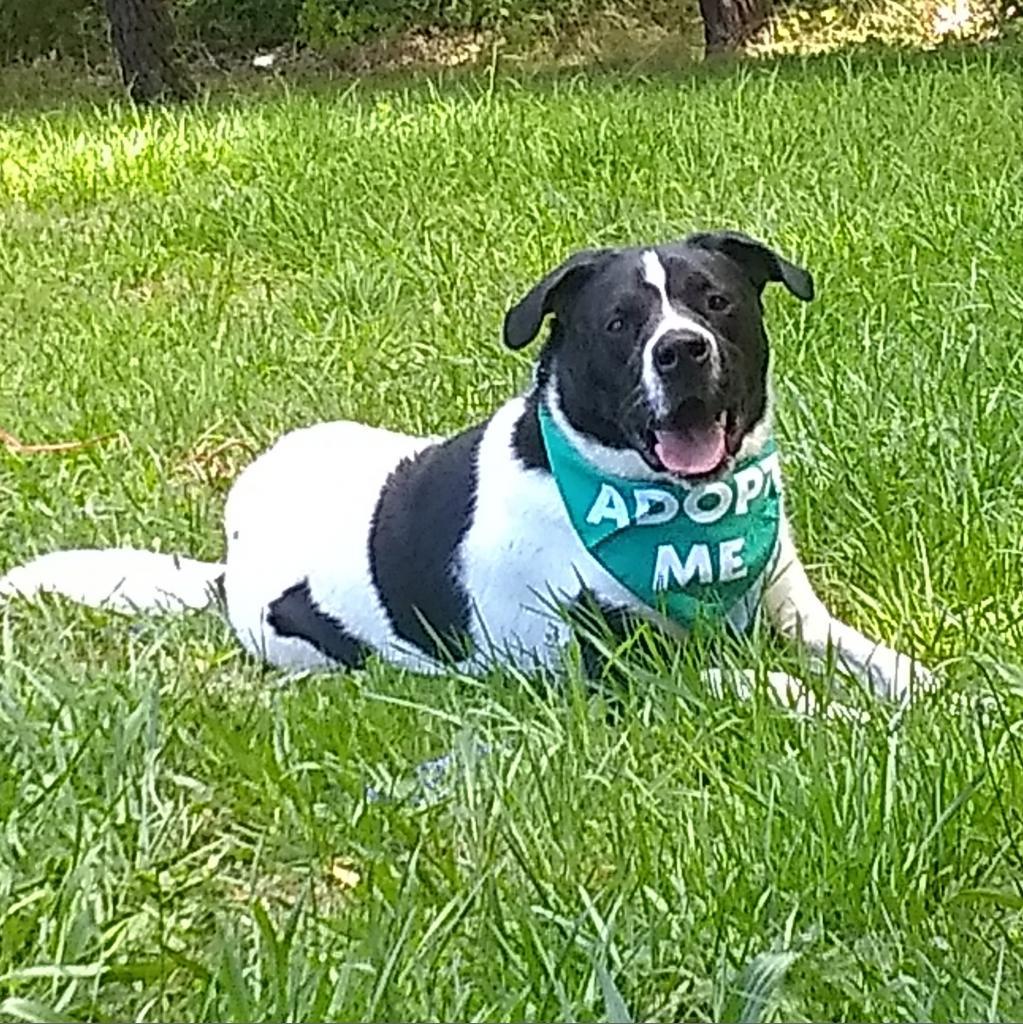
(717, 302)
(615, 325)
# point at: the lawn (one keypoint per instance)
(185, 837)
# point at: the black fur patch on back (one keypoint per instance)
(295, 614)
(422, 514)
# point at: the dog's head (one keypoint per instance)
(657, 357)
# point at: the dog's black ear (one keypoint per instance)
(760, 262)
(523, 320)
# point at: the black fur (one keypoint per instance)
(598, 626)
(220, 586)
(527, 441)
(524, 318)
(760, 263)
(422, 514)
(604, 312)
(595, 624)
(295, 614)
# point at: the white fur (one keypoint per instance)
(521, 555)
(785, 689)
(122, 579)
(304, 509)
(754, 441)
(796, 611)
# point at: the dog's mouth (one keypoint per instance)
(694, 441)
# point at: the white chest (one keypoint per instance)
(521, 559)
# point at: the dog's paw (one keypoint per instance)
(985, 708)
(897, 676)
(793, 694)
(788, 691)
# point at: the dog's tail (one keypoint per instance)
(122, 579)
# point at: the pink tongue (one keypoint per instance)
(693, 450)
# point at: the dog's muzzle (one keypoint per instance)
(687, 435)
(678, 355)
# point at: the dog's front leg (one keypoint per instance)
(788, 691)
(796, 611)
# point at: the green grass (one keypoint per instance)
(183, 838)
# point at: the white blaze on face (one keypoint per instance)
(655, 274)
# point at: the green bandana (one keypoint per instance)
(698, 553)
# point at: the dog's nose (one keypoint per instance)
(677, 347)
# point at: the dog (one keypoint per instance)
(636, 476)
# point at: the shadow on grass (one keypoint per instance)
(64, 86)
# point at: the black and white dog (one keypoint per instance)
(345, 539)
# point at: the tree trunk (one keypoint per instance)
(727, 24)
(142, 37)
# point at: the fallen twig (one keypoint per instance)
(16, 447)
